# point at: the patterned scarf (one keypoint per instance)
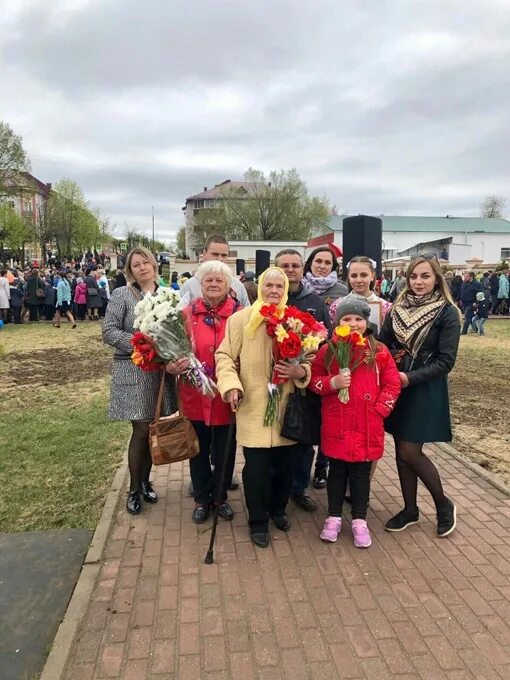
(320, 284)
(413, 318)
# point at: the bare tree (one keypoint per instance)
(493, 206)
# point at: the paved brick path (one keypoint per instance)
(412, 606)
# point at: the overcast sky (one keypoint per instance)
(393, 107)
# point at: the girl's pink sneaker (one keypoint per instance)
(331, 529)
(361, 533)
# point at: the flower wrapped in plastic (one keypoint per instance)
(161, 337)
(350, 350)
(296, 337)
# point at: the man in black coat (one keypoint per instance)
(468, 292)
(306, 300)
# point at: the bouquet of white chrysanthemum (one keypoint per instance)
(161, 337)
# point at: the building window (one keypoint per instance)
(505, 253)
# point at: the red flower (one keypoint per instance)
(354, 337)
(290, 348)
(144, 354)
(268, 310)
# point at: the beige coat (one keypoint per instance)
(254, 356)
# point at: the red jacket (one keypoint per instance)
(80, 294)
(207, 329)
(355, 431)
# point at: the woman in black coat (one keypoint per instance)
(94, 301)
(422, 332)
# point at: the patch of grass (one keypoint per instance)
(59, 451)
(480, 409)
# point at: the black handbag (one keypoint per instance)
(302, 419)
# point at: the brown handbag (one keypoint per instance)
(171, 438)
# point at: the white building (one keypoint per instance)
(454, 239)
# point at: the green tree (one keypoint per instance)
(135, 238)
(74, 227)
(493, 206)
(13, 158)
(15, 232)
(277, 207)
(209, 221)
(181, 242)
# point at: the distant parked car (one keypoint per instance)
(164, 258)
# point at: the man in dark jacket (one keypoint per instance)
(468, 292)
(494, 284)
(306, 300)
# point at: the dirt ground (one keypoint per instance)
(480, 403)
(52, 366)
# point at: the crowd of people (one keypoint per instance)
(72, 290)
(410, 346)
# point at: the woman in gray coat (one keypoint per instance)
(133, 393)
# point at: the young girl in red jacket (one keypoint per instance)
(352, 434)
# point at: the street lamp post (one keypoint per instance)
(153, 228)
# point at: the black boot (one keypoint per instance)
(148, 493)
(133, 505)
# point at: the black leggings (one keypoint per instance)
(358, 475)
(139, 457)
(413, 464)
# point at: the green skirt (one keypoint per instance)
(422, 413)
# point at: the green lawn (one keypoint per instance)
(58, 451)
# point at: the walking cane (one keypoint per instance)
(209, 558)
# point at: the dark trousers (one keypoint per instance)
(302, 465)
(321, 462)
(82, 311)
(33, 312)
(358, 475)
(206, 481)
(16, 314)
(468, 317)
(267, 477)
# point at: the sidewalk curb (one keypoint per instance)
(480, 471)
(56, 662)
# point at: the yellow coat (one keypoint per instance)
(254, 356)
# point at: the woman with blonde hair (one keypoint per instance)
(422, 332)
(133, 393)
(243, 370)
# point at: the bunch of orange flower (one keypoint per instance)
(349, 349)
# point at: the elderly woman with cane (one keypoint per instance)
(206, 319)
(244, 368)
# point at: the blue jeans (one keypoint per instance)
(302, 465)
(468, 316)
(477, 324)
(321, 462)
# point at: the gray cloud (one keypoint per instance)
(387, 107)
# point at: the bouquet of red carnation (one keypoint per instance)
(144, 355)
(349, 349)
(295, 334)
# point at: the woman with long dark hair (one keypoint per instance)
(422, 331)
(321, 273)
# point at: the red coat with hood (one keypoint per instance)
(354, 432)
(206, 328)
